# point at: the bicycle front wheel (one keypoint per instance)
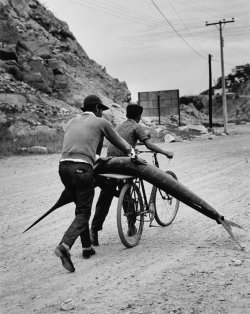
(130, 216)
(166, 206)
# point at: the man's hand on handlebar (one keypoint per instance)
(170, 155)
(132, 153)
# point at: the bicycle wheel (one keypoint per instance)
(130, 217)
(166, 206)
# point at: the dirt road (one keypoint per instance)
(191, 266)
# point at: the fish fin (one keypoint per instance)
(228, 227)
(233, 224)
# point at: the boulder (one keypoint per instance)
(36, 80)
(184, 128)
(8, 54)
(57, 103)
(35, 150)
(200, 128)
(21, 7)
(57, 66)
(38, 48)
(168, 138)
(8, 101)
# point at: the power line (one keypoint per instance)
(176, 12)
(120, 13)
(128, 14)
(175, 30)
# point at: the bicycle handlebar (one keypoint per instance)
(150, 151)
(144, 151)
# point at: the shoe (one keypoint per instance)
(94, 237)
(132, 231)
(87, 253)
(64, 255)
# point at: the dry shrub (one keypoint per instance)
(11, 146)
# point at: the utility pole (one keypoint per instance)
(159, 107)
(224, 100)
(210, 92)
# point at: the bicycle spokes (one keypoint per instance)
(130, 216)
(166, 207)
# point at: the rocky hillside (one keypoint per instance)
(40, 50)
(44, 72)
(238, 95)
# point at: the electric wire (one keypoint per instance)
(195, 32)
(183, 23)
(175, 30)
(130, 15)
(114, 11)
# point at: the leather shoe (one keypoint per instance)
(94, 237)
(64, 255)
(87, 253)
(132, 230)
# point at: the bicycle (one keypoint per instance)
(134, 207)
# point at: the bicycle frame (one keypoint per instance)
(140, 182)
(141, 186)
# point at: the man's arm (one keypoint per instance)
(144, 138)
(148, 143)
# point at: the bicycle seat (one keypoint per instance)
(116, 176)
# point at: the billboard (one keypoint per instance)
(160, 103)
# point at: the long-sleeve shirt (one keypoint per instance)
(84, 136)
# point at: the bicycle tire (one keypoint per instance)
(166, 206)
(129, 214)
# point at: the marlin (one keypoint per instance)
(140, 168)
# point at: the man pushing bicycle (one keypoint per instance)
(131, 131)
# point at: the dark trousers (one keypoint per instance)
(103, 204)
(78, 180)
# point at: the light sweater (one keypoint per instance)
(84, 136)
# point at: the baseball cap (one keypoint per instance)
(92, 100)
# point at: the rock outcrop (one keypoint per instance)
(44, 72)
(40, 50)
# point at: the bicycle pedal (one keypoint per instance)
(153, 226)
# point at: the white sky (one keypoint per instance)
(159, 51)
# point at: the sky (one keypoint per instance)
(156, 45)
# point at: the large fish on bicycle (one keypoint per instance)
(158, 178)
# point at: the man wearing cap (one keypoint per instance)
(83, 139)
(131, 131)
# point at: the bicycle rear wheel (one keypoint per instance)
(130, 217)
(166, 206)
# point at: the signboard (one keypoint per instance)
(160, 103)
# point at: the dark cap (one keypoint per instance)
(91, 101)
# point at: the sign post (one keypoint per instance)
(160, 103)
(159, 107)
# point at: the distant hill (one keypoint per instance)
(237, 93)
